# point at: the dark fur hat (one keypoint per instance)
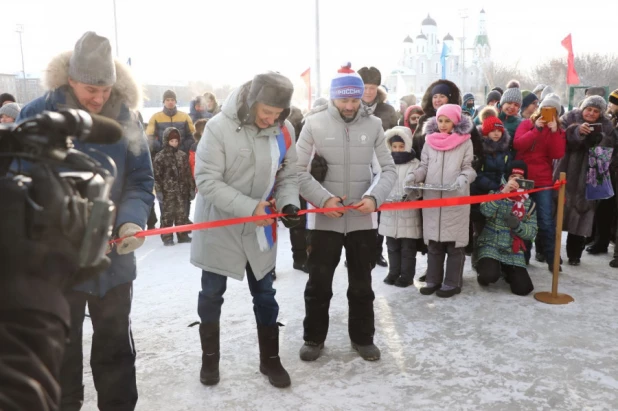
(370, 75)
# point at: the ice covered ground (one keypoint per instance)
(484, 349)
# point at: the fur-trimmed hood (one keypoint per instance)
(463, 127)
(427, 104)
(126, 88)
(404, 132)
(381, 97)
(491, 147)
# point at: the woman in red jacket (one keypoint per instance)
(538, 143)
(199, 130)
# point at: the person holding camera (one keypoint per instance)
(538, 142)
(245, 166)
(509, 222)
(88, 78)
(589, 133)
(38, 259)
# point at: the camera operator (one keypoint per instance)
(89, 79)
(38, 260)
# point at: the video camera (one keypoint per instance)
(47, 139)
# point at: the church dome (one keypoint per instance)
(429, 21)
(448, 37)
(421, 36)
(408, 39)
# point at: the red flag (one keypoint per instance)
(572, 77)
(307, 78)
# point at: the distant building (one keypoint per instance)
(23, 90)
(420, 64)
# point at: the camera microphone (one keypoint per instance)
(103, 131)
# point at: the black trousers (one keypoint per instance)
(152, 218)
(490, 270)
(575, 245)
(603, 222)
(401, 257)
(379, 244)
(324, 256)
(437, 252)
(112, 356)
(298, 237)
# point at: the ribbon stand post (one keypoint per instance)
(554, 297)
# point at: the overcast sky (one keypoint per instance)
(228, 41)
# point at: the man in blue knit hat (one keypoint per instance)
(347, 141)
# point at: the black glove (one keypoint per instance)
(511, 221)
(292, 218)
(319, 168)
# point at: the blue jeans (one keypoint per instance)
(546, 222)
(210, 299)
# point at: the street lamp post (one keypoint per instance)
(317, 49)
(116, 30)
(463, 14)
(20, 29)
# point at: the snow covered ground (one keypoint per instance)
(484, 349)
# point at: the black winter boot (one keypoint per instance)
(209, 336)
(270, 363)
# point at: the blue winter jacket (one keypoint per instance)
(132, 192)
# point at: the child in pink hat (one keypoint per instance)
(446, 160)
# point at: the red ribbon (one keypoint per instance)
(403, 205)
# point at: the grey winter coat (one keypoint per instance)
(579, 212)
(446, 224)
(402, 223)
(348, 149)
(233, 166)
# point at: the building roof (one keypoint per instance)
(408, 39)
(429, 21)
(482, 11)
(448, 37)
(421, 36)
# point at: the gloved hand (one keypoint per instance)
(292, 219)
(511, 221)
(319, 168)
(461, 183)
(130, 243)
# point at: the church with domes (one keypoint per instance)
(421, 62)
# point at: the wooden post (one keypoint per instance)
(554, 297)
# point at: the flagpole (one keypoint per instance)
(116, 30)
(317, 50)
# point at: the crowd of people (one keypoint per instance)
(256, 154)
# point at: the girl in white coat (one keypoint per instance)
(446, 160)
(401, 228)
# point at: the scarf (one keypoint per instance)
(445, 141)
(402, 157)
(170, 112)
(519, 211)
(369, 108)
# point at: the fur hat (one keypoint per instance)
(613, 97)
(452, 111)
(517, 167)
(552, 100)
(492, 123)
(10, 110)
(171, 133)
(370, 75)
(169, 94)
(596, 102)
(347, 84)
(272, 89)
(92, 61)
(488, 111)
(512, 94)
